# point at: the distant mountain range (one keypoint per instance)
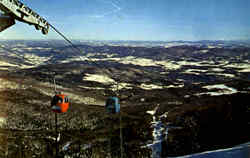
(135, 43)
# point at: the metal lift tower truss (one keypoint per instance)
(15, 10)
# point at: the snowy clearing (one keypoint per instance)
(98, 78)
(221, 90)
(150, 86)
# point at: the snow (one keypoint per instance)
(21, 45)
(55, 139)
(152, 112)
(97, 88)
(79, 58)
(219, 86)
(222, 74)
(135, 61)
(3, 63)
(227, 75)
(114, 87)
(185, 63)
(31, 48)
(159, 130)
(175, 86)
(210, 47)
(2, 121)
(83, 99)
(34, 59)
(223, 90)
(239, 65)
(194, 71)
(89, 57)
(121, 85)
(240, 151)
(98, 78)
(245, 70)
(157, 134)
(150, 86)
(245, 67)
(5, 84)
(157, 138)
(169, 45)
(167, 65)
(108, 55)
(217, 69)
(204, 51)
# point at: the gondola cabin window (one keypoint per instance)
(112, 105)
(60, 103)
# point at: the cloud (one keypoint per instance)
(116, 9)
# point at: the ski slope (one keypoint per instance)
(240, 151)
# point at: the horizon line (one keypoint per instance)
(105, 40)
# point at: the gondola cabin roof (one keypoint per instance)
(60, 103)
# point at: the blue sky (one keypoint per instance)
(139, 20)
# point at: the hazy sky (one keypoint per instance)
(139, 19)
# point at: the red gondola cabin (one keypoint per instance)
(60, 103)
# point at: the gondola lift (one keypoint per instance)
(60, 103)
(112, 105)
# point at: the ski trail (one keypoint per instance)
(240, 151)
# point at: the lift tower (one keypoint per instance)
(12, 10)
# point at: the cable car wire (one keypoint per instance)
(117, 83)
(80, 51)
(71, 43)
